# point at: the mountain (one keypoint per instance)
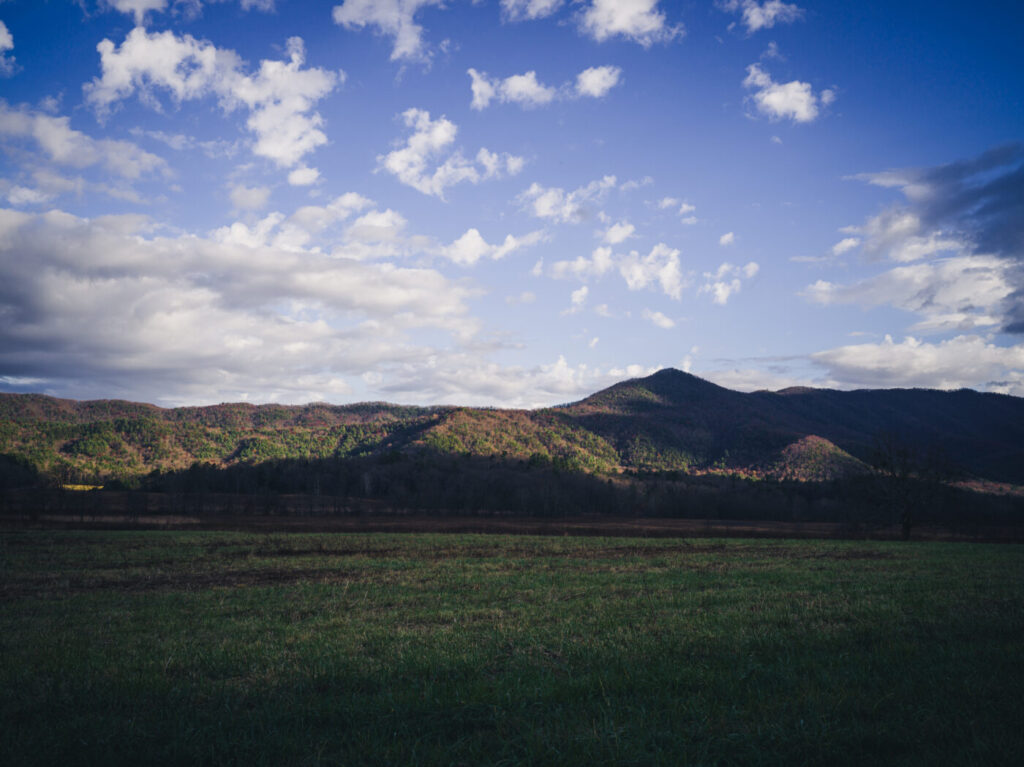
(667, 422)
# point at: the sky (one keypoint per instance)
(508, 203)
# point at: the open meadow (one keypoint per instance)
(199, 647)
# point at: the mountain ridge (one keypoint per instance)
(668, 421)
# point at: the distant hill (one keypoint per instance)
(667, 422)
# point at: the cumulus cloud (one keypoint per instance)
(519, 10)
(727, 280)
(8, 66)
(413, 163)
(684, 209)
(65, 146)
(470, 380)
(618, 233)
(392, 18)
(845, 245)
(528, 92)
(952, 294)
(105, 306)
(280, 96)
(659, 267)
(249, 198)
(45, 145)
(471, 247)
(794, 100)
(727, 239)
(139, 8)
(764, 15)
(524, 90)
(978, 203)
(659, 319)
(555, 204)
(636, 20)
(963, 361)
(303, 176)
(599, 263)
(20, 195)
(967, 219)
(180, 142)
(597, 81)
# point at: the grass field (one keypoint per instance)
(256, 649)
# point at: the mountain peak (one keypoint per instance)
(667, 387)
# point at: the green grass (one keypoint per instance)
(232, 648)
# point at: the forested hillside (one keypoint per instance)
(668, 422)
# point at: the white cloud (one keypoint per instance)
(483, 88)
(378, 226)
(685, 210)
(66, 146)
(727, 239)
(249, 198)
(526, 297)
(180, 142)
(597, 81)
(56, 143)
(727, 280)
(582, 268)
(952, 294)
(754, 379)
(962, 211)
(303, 176)
(138, 8)
(20, 195)
(528, 92)
(556, 204)
(7, 63)
(963, 361)
(794, 100)
(633, 371)
(659, 319)
(764, 15)
(519, 10)
(899, 235)
(592, 343)
(471, 247)
(393, 18)
(637, 20)
(618, 233)
(845, 245)
(524, 90)
(579, 298)
(660, 266)
(103, 307)
(469, 380)
(412, 163)
(280, 96)
(636, 183)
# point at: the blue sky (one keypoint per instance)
(506, 202)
